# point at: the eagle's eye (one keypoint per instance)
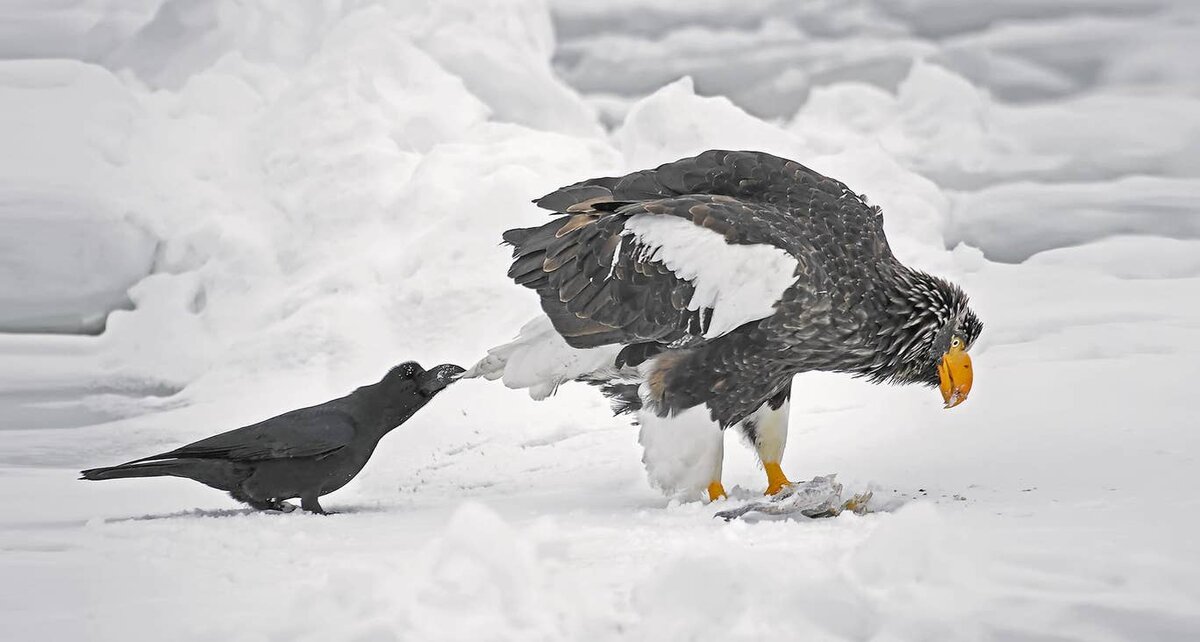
(956, 343)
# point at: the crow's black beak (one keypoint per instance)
(435, 379)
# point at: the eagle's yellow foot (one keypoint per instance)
(715, 491)
(776, 480)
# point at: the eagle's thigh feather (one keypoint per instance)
(682, 453)
(766, 429)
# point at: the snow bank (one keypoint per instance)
(769, 56)
(1129, 257)
(956, 133)
(66, 262)
(211, 182)
(83, 29)
(70, 250)
(1013, 221)
(674, 122)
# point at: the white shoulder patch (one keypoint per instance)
(740, 283)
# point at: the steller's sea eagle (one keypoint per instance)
(692, 293)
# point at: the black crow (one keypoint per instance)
(304, 453)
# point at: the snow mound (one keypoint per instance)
(81, 257)
(1128, 257)
(770, 56)
(958, 134)
(674, 122)
(1013, 221)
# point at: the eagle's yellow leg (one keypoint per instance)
(715, 491)
(776, 480)
(767, 428)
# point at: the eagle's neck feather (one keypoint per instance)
(918, 307)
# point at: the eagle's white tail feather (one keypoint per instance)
(540, 360)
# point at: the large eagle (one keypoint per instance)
(693, 292)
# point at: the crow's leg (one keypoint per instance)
(310, 504)
(256, 504)
(767, 430)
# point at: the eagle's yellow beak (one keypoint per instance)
(955, 374)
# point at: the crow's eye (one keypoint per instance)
(405, 370)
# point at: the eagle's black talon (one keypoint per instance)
(732, 514)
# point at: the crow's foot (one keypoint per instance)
(311, 505)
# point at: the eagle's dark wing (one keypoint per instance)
(307, 432)
(747, 176)
(688, 251)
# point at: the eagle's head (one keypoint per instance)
(952, 370)
(931, 335)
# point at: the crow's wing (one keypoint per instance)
(307, 432)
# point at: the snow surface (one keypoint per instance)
(264, 204)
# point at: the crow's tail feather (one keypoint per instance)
(217, 473)
(145, 469)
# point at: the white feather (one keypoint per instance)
(540, 360)
(682, 453)
(771, 431)
(740, 283)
